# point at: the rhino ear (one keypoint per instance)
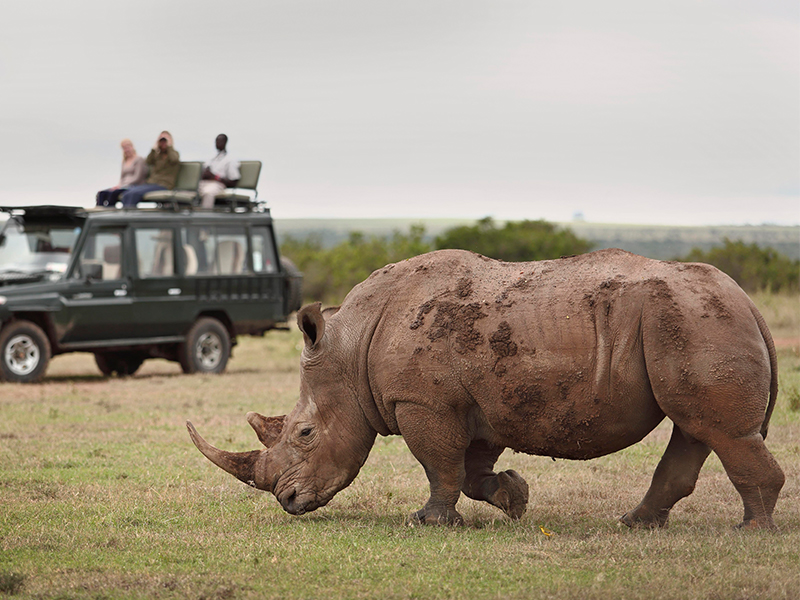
(312, 323)
(268, 429)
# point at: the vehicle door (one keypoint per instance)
(266, 270)
(159, 300)
(225, 275)
(96, 307)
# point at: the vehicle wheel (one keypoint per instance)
(293, 287)
(121, 363)
(24, 352)
(207, 347)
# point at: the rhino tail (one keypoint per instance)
(773, 365)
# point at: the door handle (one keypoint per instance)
(122, 292)
(174, 291)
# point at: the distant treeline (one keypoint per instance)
(654, 241)
(330, 272)
(752, 267)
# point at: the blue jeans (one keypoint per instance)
(109, 197)
(134, 194)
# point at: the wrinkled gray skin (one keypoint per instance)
(575, 358)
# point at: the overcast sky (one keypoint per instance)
(679, 112)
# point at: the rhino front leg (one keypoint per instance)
(507, 490)
(438, 441)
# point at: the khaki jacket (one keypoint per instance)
(163, 167)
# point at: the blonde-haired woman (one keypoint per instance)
(134, 172)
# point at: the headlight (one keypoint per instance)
(2, 300)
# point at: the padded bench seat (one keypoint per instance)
(185, 191)
(244, 194)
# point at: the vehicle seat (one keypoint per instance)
(111, 263)
(185, 191)
(191, 260)
(230, 257)
(245, 192)
(163, 262)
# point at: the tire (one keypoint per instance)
(121, 363)
(293, 286)
(24, 352)
(207, 347)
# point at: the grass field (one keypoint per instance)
(103, 495)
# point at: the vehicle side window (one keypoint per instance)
(199, 248)
(154, 252)
(231, 251)
(263, 251)
(101, 258)
(215, 250)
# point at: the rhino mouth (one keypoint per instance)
(297, 503)
(290, 504)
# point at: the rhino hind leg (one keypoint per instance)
(674, 479)
(506, 490)
(756, 476)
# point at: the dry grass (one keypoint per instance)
(104, 496)
(782, 313)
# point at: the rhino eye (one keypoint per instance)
(306, 431)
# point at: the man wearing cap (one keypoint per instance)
(220, 172)
(164, 162)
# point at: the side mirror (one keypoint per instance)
(92, 271)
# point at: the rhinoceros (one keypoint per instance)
(575, 358)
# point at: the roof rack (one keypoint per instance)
(232, 204)
(226, 205)
(40, 209)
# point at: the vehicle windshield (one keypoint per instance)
(36, 247)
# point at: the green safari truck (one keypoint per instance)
(133, 284)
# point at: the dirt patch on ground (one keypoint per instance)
(787, 342)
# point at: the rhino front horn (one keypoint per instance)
(239, 464)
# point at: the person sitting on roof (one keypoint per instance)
(164, 162)
(134, 172)
(220, 172)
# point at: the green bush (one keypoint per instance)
(752, 267)
(330, 273)
(515, 241)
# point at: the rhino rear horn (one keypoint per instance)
(239, 464)
(267, 428)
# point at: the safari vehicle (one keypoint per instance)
(128, 285)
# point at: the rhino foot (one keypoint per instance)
(637, 519)
(759, 523)
(511, 495)
(433, 516)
